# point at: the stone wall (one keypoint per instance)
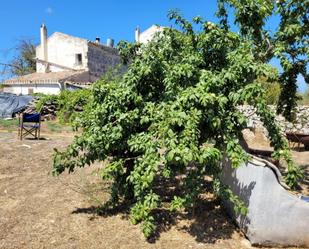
(101, 58)
(66, 52)
(301, 124)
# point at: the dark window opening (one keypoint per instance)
(78, 59)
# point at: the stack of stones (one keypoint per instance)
(301, 124)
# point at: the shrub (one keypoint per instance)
(304, 98)
(69, 104)
(174, 114)
(272, 91)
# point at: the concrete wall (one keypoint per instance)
(101, 58)
(62, 50)
(276, 216)
(37, 88)
(148, 34)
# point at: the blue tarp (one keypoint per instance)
(305, 198)
(11, 103)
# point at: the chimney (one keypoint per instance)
(110, 43)
(97, 40)
(137, 34)
(44, 54)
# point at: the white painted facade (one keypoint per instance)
(64, 52)
(61, 56)
(64, 59)
(22, 89)
(145, 36)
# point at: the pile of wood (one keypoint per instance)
(48, 111)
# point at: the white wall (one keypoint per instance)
(37, 88)
(62, 50)
(148, 34)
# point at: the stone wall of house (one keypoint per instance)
(66, 52)
(101, 58)
(300, 125)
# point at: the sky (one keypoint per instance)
(115, 19)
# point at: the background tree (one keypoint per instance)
(289, 43)
(174, 116)
(272, 91)
(23, 61)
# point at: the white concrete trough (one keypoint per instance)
(276, 217)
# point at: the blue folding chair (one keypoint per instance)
(29, 124)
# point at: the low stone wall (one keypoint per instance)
(300, 125)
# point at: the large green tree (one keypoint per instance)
(174, 114)
(289, 42)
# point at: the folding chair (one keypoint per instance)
(29, 124)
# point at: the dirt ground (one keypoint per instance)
(38, 210)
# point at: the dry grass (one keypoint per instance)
(52, 126)
(38, 210)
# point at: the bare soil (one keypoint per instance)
(38, 210)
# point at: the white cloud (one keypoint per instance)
(49, 10)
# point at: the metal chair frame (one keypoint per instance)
(33, 129)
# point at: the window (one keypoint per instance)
(78, 59)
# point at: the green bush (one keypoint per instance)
(174, 116)
(304, 98)
(69, 104)
(44, 99)
(272, 91)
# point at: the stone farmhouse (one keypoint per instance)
(65, 62)
(68, 62)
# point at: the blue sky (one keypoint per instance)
(107, 19)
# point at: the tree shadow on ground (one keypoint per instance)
(35, 139)
(210, 222)
(100, 211)
(207, 222)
